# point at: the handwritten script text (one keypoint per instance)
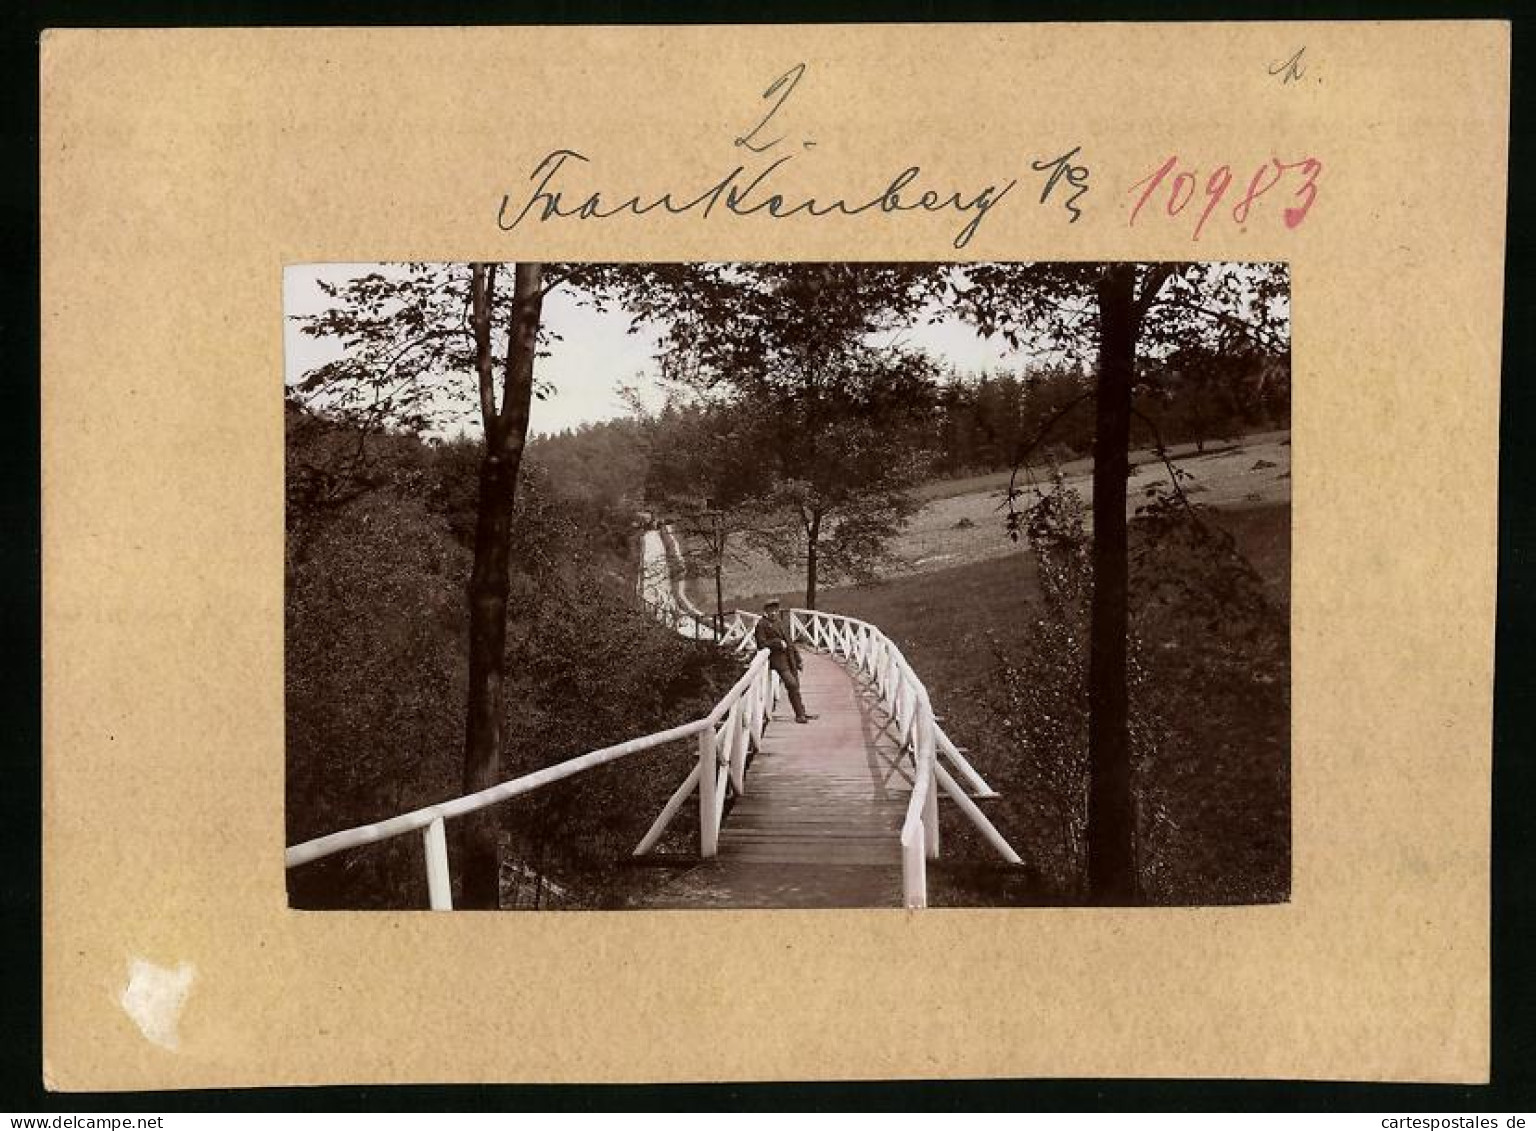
(562, 184)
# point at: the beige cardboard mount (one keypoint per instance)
(181, 170)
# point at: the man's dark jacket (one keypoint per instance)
(772, 633)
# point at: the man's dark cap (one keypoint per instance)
(771, 603)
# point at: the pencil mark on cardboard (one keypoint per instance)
(1076, 176)
(787, 83)
(1290, 70)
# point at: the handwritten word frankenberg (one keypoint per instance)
(749, 189)
(742, 193)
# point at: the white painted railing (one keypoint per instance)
(731, 732)
(738, 631)
(875, 657)
(726, 738)
(679, 619)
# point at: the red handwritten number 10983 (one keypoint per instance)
(1181, 190)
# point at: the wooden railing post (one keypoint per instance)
(738, 722)
(439, 881)
(762, 703)
(931, 801)
(709, 816)
(749, 704)
(914, 872)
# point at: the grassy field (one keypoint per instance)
(994, 482)
(962, 520)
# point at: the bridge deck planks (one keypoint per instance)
(820, 822)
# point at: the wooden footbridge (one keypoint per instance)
(820, 822)
(841, 812)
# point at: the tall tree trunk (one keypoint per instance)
(506, 431)
(1111, 824)
(812, 544)
(480, 862)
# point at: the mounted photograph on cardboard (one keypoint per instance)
(756, 585)
(1132, 748)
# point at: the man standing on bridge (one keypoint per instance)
(772, 632)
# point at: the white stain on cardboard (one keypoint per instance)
(154, 998)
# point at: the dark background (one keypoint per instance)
(1514, 890)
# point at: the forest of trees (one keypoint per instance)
(972, 422)
(983, 421)
(380, 548)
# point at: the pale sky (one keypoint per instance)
(596, 355)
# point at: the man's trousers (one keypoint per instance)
(791, 680)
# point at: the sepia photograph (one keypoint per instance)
(787, 585)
